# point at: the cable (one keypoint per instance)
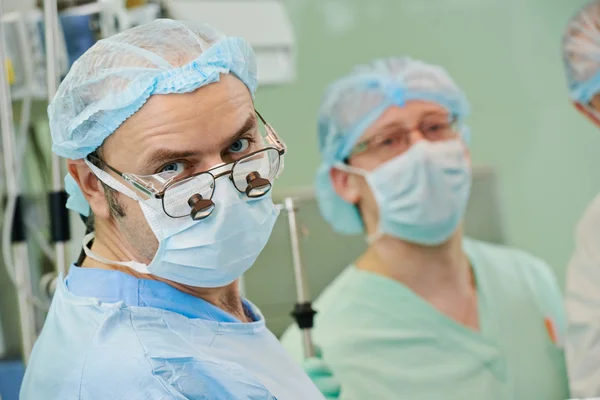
(7, 231)
(40, 239)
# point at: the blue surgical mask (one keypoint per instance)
(209, 253)
(422, 194)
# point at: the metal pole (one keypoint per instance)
(59, 217)
(301, 288)
(19, 244)
(7, 115)
(50, 29)
(303, 312)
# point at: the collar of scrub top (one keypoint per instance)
(111, 286)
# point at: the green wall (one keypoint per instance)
(506, 56)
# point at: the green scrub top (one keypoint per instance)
(382, 341)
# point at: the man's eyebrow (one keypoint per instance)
(249, 124)
(436, 113)
(390, 126)
(402, 124)
(161, 156)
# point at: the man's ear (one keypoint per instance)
(345, 185)
(90, 185)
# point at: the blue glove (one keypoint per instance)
(322, 376)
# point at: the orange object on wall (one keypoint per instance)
(135, 3)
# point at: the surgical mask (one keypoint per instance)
(422, 194)
(212, 252)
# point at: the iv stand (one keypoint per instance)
(20, 259)
(303, 312)
(59, 215)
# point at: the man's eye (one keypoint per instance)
(436, 127)
(177, 167)
(239, 146)
(390, 140)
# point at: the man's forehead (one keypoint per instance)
(411, 110)
(196, 121)
(228, 89)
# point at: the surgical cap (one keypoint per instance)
(356, 101)
(116, 76)
(581, 53)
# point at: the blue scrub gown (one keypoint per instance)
(382, 341)
(111, 336)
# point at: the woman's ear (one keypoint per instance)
(90, 185)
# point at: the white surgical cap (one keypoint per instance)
(581, 53)
(116, 76)
(356, 101)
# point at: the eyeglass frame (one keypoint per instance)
(134, 181)
(364, 145)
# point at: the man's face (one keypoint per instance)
(184, 132)
(390, 136)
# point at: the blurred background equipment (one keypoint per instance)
(265, 24)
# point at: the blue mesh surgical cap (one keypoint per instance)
(116, 76)
(354, 102)
(581, 53)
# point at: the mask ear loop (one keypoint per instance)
(350, 169)
(111, 182)
(134, 265)
(370, 239)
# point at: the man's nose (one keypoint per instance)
(210, 161)
(414, 136)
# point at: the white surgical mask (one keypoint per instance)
(212, 252)
(422, 194)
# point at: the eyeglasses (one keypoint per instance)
(191, 195)
(388, 145)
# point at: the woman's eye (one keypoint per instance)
(177, 167)
(239, 146)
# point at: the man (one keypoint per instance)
(166, 149)
(424, 313)
(581, 48)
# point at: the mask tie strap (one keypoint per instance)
(134, 265)
(111, 181)
(347, 168)
(370, 239)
